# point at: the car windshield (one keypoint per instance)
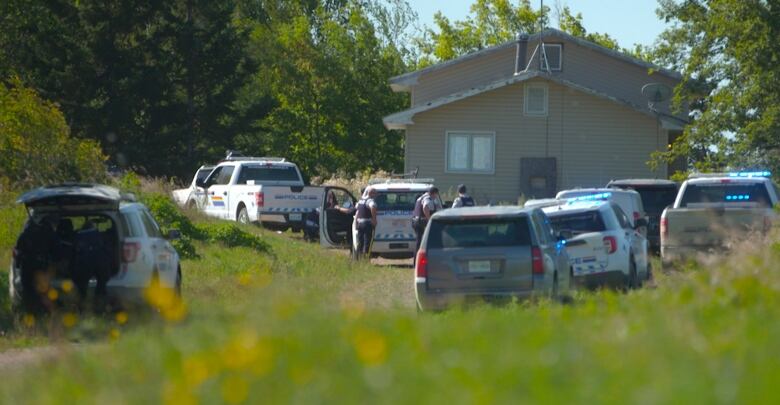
(397, 200)
(203, 173)
(726, 193)
(656, 198)
(268, 173)
(581, 222)
(498, 232)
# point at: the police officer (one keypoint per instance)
(365, 221)
(425, 206)
(36, 253)
(463, 200)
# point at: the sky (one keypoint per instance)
(628, 21)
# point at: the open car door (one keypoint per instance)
(336, 215)
(71, 197)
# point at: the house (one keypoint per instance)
(507, 124)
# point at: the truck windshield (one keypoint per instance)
(397, 200)
(268, 173)
(726, 193)
(479, 233)
(581, 222)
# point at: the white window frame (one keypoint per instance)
(470, 159)
(560, 58)
(542, 86)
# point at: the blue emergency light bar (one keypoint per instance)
(590, 197)
(738, 197)
(764, 173)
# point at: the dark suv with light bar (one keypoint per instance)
(489, 254)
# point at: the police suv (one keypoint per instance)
(604, 248)
(394, 237)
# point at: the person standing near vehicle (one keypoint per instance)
(463, 200)
(365, 221)
(425, 206)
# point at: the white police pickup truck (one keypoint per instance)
(193, 196)
(268, 191)
(714, 210)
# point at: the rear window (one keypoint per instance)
(268, 173)
(581, 222)
(479, 233)
(726, 193)
(397, 200)
(655, 199)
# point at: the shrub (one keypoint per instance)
(231, 235)
(35, 142)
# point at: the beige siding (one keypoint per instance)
(581, 65)
(594, 140)
(465, 75)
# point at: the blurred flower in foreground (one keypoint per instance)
(371, 347)
(165, 299)
(121, 317)
(235, 389)
(69, 320)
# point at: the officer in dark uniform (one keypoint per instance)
(91, 259)
(365, 222)
(425, 206)
(463, 200)
(36, 251)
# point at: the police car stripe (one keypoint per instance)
(394, 237)
(275, 210)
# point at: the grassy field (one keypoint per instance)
(300, 324)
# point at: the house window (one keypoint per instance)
(471, 152)
(536, 99)
(554, 54)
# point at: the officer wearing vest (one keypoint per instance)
(463, 200)
(365, 221)
(425, 206)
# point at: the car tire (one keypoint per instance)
(177, 285)
(633, 278)
(554, 293)
(243, 215)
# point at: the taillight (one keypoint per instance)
(130, 251)
(421, 265)
(664, 228)
(537, 260)
(260, 199)
(610, 244)
(636, 216)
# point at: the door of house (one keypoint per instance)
(538, 177)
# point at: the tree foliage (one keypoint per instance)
(494, 22)
(35, 143)
(728, 53)
(167, 86)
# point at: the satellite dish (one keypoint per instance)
(656, 92)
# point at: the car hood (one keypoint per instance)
(72, 197)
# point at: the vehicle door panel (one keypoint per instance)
(219, 197)
(336, 225)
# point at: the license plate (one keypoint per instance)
(480, 266)
(296, 217)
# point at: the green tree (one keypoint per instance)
(326, 65)
(156, 83)
(493, 22)
(35, 143)
(728, 53)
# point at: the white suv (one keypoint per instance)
(123, 236)
(604, 248)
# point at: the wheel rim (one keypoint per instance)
(243, 217)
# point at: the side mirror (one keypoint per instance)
(565, 234)
(640, 223)
(173, 234)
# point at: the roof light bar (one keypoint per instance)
(764, 173)
(400, 181)
(590, 197)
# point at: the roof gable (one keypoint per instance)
(405, 81)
